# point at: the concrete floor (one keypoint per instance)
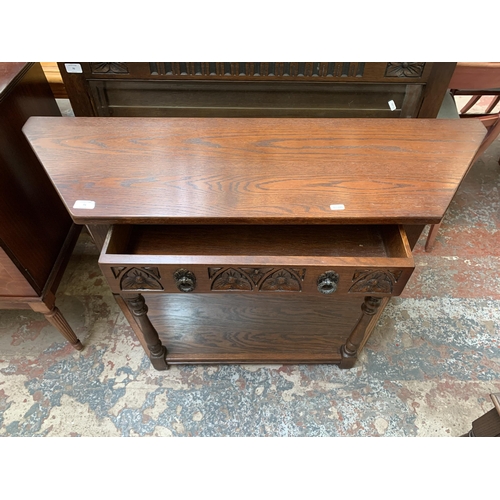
(427, 370)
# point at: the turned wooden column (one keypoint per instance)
(157, 350)
(349, 350)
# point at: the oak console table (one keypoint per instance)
(255, 240)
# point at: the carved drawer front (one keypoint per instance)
(316, 260)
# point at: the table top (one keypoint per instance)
(10, 74)
(255, 170)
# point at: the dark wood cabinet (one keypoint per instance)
(36, 233)
(253, 89)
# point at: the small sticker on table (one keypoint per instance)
(86, 204)
(337, 207)
(73, 68)
(392, 105)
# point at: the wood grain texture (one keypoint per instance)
(292, 89)
(33, 221)
(36, 232)
(264, 241)
(12, 282)
(157, 351)
(476, 76)
(488, 425)
(373, 72)
(350, 349)
(10, 75)
(435, 89)
(264, 171)
(78, 92)
(257, 259)
(55, 80)
(243, 329)
(15, 305)
(251, 99)
(355, 278)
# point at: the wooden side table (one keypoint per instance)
(36, 232)
(255, 240)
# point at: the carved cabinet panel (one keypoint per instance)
(258, 89)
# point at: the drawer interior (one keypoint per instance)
(383, 241)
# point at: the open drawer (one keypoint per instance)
(316, 259)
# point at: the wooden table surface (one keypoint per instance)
(10, 74)
(263, 171)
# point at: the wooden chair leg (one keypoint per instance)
(492, 105)
(470, 103)
(429, 244)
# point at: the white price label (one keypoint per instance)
(86, 204)
(337, 207)
(73, 68)
(392, 105)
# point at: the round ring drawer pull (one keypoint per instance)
(327, 282)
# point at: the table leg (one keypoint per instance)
(431, 237)
(157, 351)
(55, 318)
(349, 350)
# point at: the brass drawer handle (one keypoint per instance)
(327, 282)
(185, 280)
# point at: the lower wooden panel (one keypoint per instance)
(203, 328)
(12, 282)
(13, 305)
(251, 99)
